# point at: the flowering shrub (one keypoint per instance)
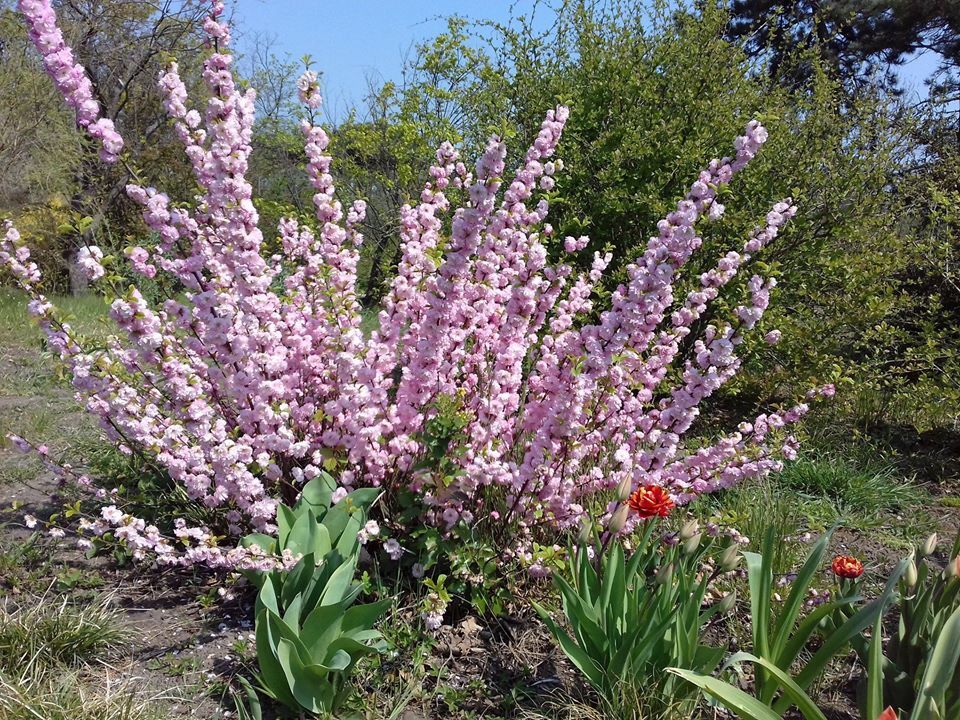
(487, 392)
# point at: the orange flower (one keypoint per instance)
(887, 714)
(650, 500)
(847, 567)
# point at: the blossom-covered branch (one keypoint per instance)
(258, 375)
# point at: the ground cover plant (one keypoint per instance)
(514, 443)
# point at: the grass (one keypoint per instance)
(85, 313)
(752, 508)
(47, 632)
(853, 491)
(23, 565)
(35, 398)
(71, 696)
(47, 649)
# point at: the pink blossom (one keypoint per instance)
(259, 372)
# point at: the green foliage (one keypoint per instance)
(860, 497)
(921, 662)
(309, 638)
(632, 618)
(783, 673)
(863, 290)
(51, 631)
(757, 507)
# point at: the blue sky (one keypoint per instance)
(351, 40)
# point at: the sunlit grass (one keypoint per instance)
(47, 631)
(860, 497)
(85, 313)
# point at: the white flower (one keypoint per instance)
(418, 570)
(433, 620)
(393, 549)
(30, 521)
(372, 528)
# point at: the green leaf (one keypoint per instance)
(574, 652)
(874, 701)
(335, 521)
(611, 598)
(354, 648)
(273, 677)
(941, 668)
(321, 628)
(364, 616)
(734, 699)
(348, 543)
(339, 583)
(267, 597)
(285, 520)
(267, 543)
(798, 593)
(249, 710)
(318, 492)
(302, 536)
(309, 683)
(363, 498)
(760, 579)
(298, 580)
(838, 639)
(791, 690)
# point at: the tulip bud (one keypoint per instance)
(727, 603)
(730, 558)
(953, 569)
(689, 530)
(624, 488)
(664, 574)
(586, 532)
(929, 546)
(691, 545)
(910, 576)
(619, 519)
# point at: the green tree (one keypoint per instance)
(855, 38)
(654, 91)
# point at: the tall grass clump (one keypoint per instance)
(48, 631)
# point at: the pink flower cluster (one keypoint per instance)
(259, 374)
(69, 76)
